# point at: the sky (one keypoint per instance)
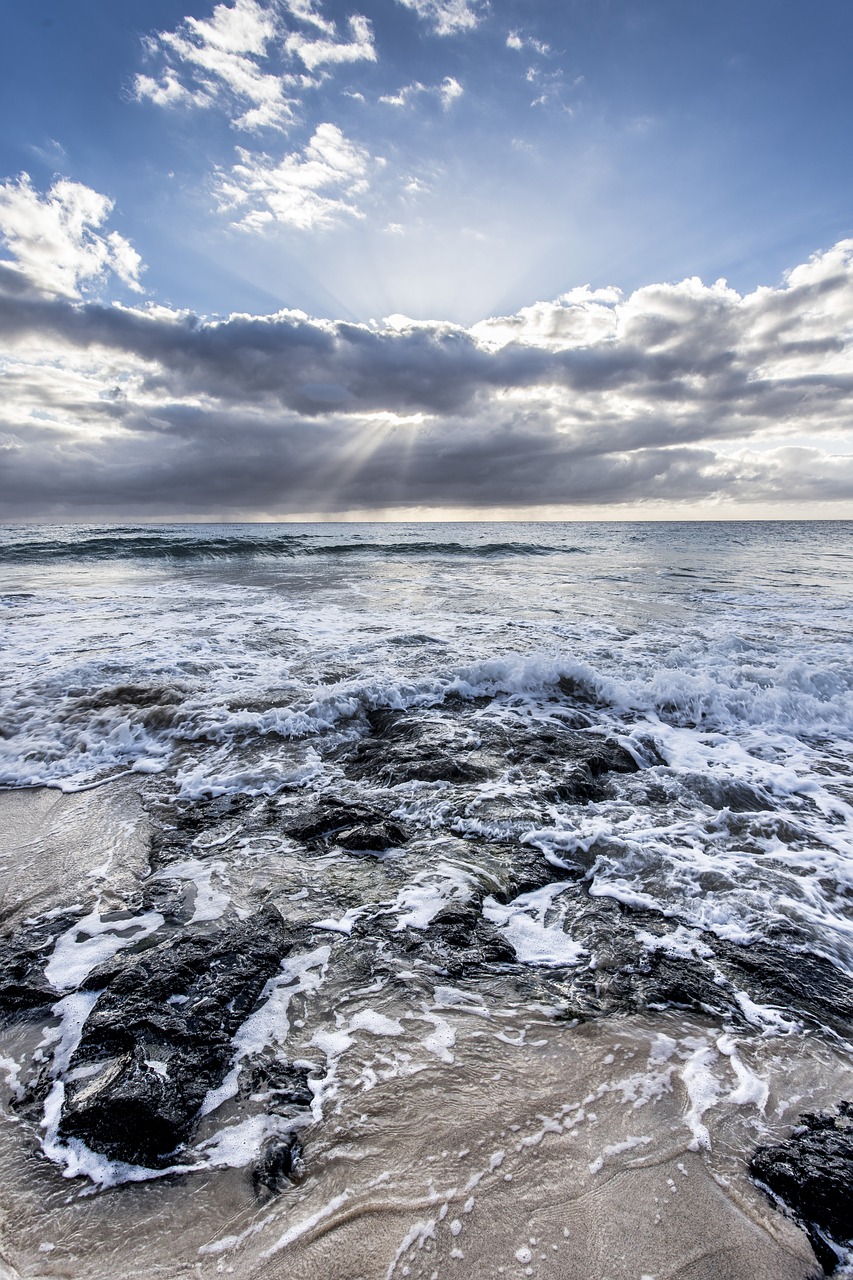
(282, 259)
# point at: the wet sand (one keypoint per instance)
(477, 1146)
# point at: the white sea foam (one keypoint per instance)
(92, 941)
(429, 892)
(523, 924)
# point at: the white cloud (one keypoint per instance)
(447, 92)
(304, 11)
(55, 240)
(518, 42)
(318, 53)
(168, 91)
(308, 189)
(447, 17)
(403, 97)
(229, 60)
(221, 56)
(575, 319)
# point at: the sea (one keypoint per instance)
(560, 816)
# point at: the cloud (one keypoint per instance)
(447, 92)
(446, 17)
(228, 61)
(318, 53)
(679, 393)
(518, 42)
(308, 189)
(221, 56)
(304, 11)
(55, 239)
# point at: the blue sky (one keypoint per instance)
(448, 161)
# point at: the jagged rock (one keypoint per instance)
(159, 1036)
(812, 1174)
(283, 1085)
(628, 975)
(459, 940)
(403, 747)
(355, 828)
(781, 972)
(177, 826)
(23, 956)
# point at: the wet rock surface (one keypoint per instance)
(812, 1174)
(403, 747)
(23, 955)
(159, 1036)
(393, 858)
(458, 942)
(356, 828)
(713, 976)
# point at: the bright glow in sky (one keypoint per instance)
(267, 258)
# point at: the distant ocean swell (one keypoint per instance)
(142, 547)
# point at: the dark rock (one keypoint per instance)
(23, 956)
(367, 838)
(168, 897)
(457, 941)
(812, 1174)
(159, 1036)
(133, 695)
(782, 972)
(410, 763)
(285, 1085)
(453, 747)
(355, 828)
(277, 1165)
(628, 976)
(177, 826)
(586, 763)
(403, 747)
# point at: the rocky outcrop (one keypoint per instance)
(159, 1036)
(407, 747)
(812, 1174)
(356, 828)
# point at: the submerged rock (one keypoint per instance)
(277, 1165)
(159, 1036)
(406, 747)
(812, 1174)
(458, 941)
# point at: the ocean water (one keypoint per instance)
(564, 773)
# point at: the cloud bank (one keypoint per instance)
(679, 393)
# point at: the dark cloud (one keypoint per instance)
(678, 393)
